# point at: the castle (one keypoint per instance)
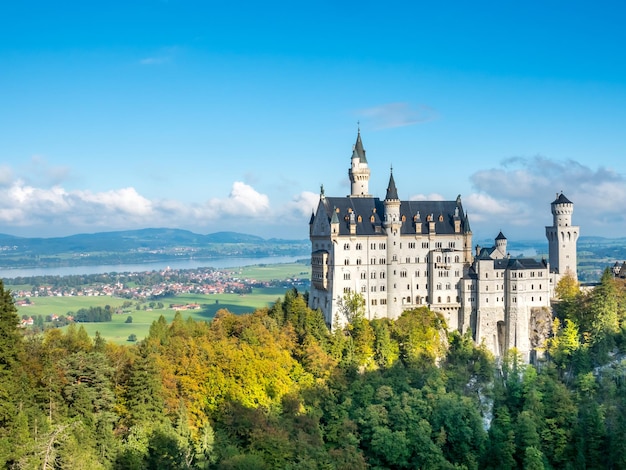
(404, 254)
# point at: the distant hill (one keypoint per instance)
(143, 245)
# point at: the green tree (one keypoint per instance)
(11, 353)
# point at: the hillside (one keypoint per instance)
(151, 244)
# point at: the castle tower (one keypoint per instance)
(562, 237)
(500, 246)
(359, 171)
(392, 225)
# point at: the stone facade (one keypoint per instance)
(405, 254)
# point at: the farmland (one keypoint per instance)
(276, 279)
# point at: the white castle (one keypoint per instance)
(405, 254)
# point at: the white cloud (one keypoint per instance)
(427, 197)
(398, 114)
(301, 205)
(24, 205)
(519, 192)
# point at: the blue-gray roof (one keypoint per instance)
(371, 211)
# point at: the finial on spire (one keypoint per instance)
(321, 190)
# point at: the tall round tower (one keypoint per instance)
(359, 171)
(562, 237)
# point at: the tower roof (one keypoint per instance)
(392, 191)
(561, 199)
(359, 151)
(466, 224)
(500, 236)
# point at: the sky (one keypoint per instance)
(216, 115)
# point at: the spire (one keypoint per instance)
(392, 191)
(359, 151)
(466, 224)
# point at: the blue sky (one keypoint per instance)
(215, 116)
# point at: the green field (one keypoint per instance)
(118, 331)
(270, 272)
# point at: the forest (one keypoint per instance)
(276, 389)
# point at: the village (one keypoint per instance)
(151, 287)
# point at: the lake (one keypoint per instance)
(217, 263)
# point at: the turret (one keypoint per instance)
(562, 237)
(359, 171)
(393, 225)
(500, 246)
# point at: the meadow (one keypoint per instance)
(142, 315)
(118, 330)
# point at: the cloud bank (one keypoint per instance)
(51, 211)
(518, 194)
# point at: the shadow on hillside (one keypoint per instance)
(208, 311)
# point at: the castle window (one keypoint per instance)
(383, 301)
(346, 246)
(358, 246)
(532, 287)
(417, 274)
(373, 261)
(402, 273)
(363, 275)
(539, 286)
(532, 299)
(438, 259)
(451, 244)
(382, 274)
(408, 287)
(383, 261)
(374, 301)
(373, 275)
(440, 218)
(372, 219)
(424, 244)
(456, 259)
(358, 261)
(486, 275)
(448, 299)
(359, 219)
(412, 245)
(382, 288)
(382, 246)
(438, 245)
(346, 276)
(346, 261)
(438, 300)
(373, 289)
(417, 286)
(394, 258)
(407, 260)
(363, 289)
(448, 286)
(404, 218)
(346, 290)
(438, 286)
(486, 288)
(408, 300)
